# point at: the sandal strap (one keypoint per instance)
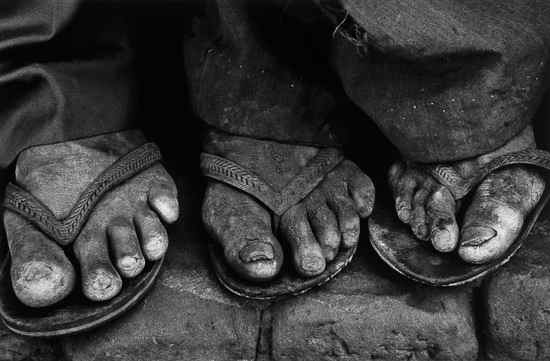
(64, 231)
(460, 187)
(229, 172)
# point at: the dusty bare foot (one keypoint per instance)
(123, 232)
(493, 218)
(315, 228)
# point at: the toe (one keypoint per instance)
(243, 228)
(403, 191)
(100, 280)
(488, 230)
(348, 219)
(394, 173)
(163, 199)
(125, 246)
(307, 253)
(443, 229)
(325, 228)
(152, 234)
(41, 274)
(362, 192)
(418, 217)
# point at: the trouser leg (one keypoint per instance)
(254, 68)
(444, 80)
(65, 73)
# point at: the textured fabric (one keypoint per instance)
(444, 79)
(62, 75)
(254, 70)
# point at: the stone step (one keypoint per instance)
(517, 302)
(365, 313)
(369, 313)
(186, 316)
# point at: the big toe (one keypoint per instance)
(489, 235)
(41, 274)
(495, 217)
(41, 283)
(243, 229)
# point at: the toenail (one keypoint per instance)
(131, 264)
(442, 241)
(128, 262)
(167, 207)
(421, 230)
(40, 279)
(477, 235)
(36, 271)
(155, 246)
(101, 281)
(404, 214)
(313, 264)
(257, 251)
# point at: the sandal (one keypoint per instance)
(75, 313)
(277, 202)
(403, 252)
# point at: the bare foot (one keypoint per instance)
(123, 232)
(315, 228)
(493, 217)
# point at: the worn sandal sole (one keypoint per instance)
(74, 314)
(419, 261)
(288, 282)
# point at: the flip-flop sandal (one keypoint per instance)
(288, 282)
(75, 313)
(418, 260)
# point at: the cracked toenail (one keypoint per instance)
(128, 262)
(312, 263)
(155, 246)
(36, 271)
(101, 281)
(474, 236)
(257, 251)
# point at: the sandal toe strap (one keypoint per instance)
(234, 174)
(460, 187)
(64, 231)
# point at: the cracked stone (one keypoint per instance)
(18, 348)
(368, 312)
(518, 304)
(186, 316)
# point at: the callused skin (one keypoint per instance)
(494, 216)
(126, 226)
(315, 229)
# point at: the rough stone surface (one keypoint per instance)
(18, 348)
(186, 316)
(517, 302)
(368, 313)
